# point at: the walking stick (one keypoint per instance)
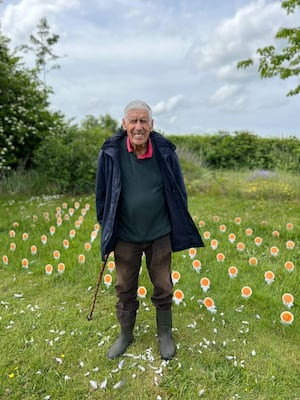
(103, 264)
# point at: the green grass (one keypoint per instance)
(49, 350)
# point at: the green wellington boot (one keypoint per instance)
(164, 331)
(123, 341)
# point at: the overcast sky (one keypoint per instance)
(178, 55)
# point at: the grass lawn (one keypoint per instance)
(238, 349)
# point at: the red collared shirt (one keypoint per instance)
(148, 153)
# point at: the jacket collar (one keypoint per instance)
(161, 143)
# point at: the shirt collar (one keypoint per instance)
(148, 153)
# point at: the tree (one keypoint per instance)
(25, 118)
(284, 63)
(105, 122)
(42, 47)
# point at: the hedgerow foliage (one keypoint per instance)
(242, 150)
(69, 159)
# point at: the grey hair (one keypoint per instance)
(137, 105)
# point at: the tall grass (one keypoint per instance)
(22, 182)
(49, 350)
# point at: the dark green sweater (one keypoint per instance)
(142, 209)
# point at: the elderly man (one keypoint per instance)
(141, 205)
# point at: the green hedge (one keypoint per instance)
(242, 150)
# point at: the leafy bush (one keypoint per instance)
(243, 150)
(69, 159)
(25, 118)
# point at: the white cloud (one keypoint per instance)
(223, 93)
(238, 37)
(20, 19)
(169, 105)
(235, 37)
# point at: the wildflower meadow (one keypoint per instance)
(236, 306)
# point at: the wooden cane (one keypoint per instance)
(102, 268)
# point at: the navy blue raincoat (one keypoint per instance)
(184, 233)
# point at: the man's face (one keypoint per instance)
(138, 126)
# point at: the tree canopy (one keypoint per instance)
(285, 63)
(25, 115)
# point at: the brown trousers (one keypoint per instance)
(128, 259)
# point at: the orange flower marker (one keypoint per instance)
(233, 272)
(12, 233)
(201, 224)
(220, 257)
(192, 252)
(46, 216)
(48, 269)
(206, 235)
(222, 228)
(216, 218)
(240, 246)
(253, 261)
(25, 263)
(289, 266)
(238, 220)
(210, 304)
(64, 205)
(44, 239)
(288, 300)
(81, 258)
(87, 206)
(87, 246)
(93, 235)
(274, 251)
(67, 217)
(66, 243)
(5, 259)
(289, 226)
(258, 241)
(178, 296)
(56, 255)
(249, 231)
(16, 224)
(83, 212)
(71, 211)
(59, 221)
(76, 205)
(231, 237)
(12, 246)
(290, 245)
(25, 236)
(246, 292)
(287, 318)
(197, 265)
(142, 292)
(72, 234)
(269, 277)
(175, 277)
(33, 250)
(276, 234)
(77, 224)
(107, 280)
(52, 230)
(205, 284)
(61, 268)
(214, 244)
(111, 266)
